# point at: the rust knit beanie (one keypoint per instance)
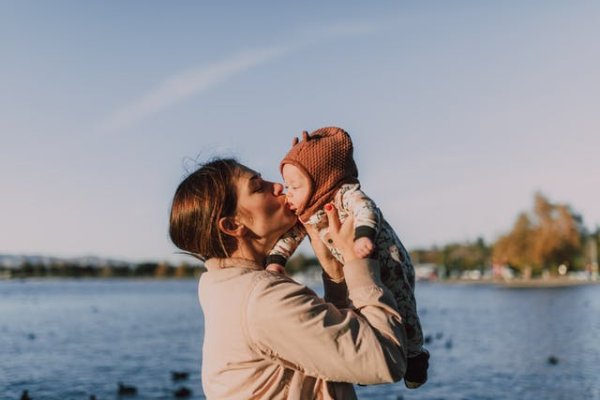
(325, 157)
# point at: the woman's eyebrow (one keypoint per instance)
(255, 177)
(252, 182)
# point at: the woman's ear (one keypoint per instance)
(230, 226)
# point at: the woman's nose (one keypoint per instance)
(277, 189)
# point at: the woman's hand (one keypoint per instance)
(341, 236)
(331, 266)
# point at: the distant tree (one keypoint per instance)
(466, 256)
(122, 271)
(184, 270)
(593, 244)
(146, 269)
(106, 272)
(547, 237)
(515, 248)
(559, 233)
(163, 270)
(427, 256)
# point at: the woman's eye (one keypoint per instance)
(260, 188)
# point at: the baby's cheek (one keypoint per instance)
(304, 197)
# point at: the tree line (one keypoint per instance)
(139, 270)
(541, 239)
(544, 238)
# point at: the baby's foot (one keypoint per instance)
(416, 370)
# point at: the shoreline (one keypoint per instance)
(511, 284)
(522, 283)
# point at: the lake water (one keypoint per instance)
(68, 339)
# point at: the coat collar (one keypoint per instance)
(213, 264)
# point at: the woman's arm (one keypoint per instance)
(331, 267)
(289, 323)
(336, 291)
(292, 325)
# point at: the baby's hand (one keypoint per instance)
(276, 268)
(363, 247)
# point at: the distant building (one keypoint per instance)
(502, 271)
(426, 272)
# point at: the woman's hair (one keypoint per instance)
(201, 200)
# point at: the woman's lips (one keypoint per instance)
(288, 206)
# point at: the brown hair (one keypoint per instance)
(201, 200)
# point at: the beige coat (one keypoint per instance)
(269, 337)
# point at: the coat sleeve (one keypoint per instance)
(291, 325)
(335, 291)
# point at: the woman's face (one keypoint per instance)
(261, 206)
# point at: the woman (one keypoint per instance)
(266, 336)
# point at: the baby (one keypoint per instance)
(319, 170)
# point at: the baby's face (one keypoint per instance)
(297, 185)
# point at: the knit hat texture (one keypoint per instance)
(326, 157)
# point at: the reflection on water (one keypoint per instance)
(69, 339)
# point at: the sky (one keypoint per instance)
(459, 111)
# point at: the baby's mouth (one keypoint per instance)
(289, 205)
(292, 208)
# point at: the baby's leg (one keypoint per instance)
(399, 278)
(405, 299)
(398, 275)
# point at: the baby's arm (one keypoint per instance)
(367, 218)
(284, 248)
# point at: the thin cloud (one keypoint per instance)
(186, 84)
(352, 29)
